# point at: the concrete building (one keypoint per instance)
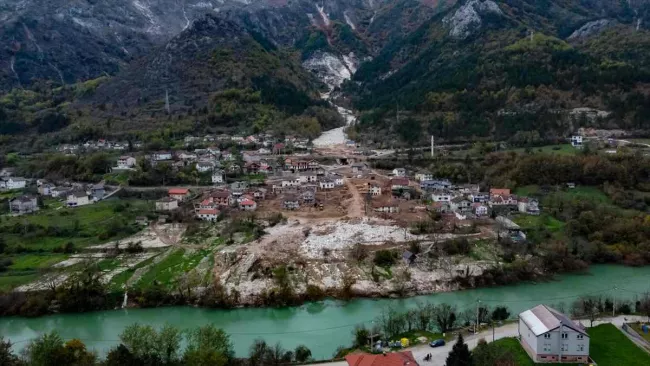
(179, 194)
(77, 198)
(550, 336)
(166, 204)
(125, 162)
(23, 205)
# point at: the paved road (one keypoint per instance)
(509, 330)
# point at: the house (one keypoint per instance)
(97, 191)
(45, 189)
(308, 196)
(218, 177)
(259, 193)
(374, 189)
(528, 205)
(441, 207)
(499, 192)
(326, 184)
(508, 229)
(204, 166)
(337, 178)
(77, 198)
(550, 336)
(278, 148)
(10, 183)
(291, 182)
(435, 184)
(125, 162)
(221, 198)
(403, 358)
(441, 196)
(208, 214)
(576, 141)
(59, 192)
(263, 151)
(509, 200)
(186, 156)
(468, 189)
(308, 177)
(166, 204)
(480, 197)
(479, 209)
(161, 156)
(460, 204)
(359, 167)
(399, 183)
(423, 176)
(399, 172)
(142, 220)
(23, 205)
(179, 194)
(247, 205)
(571, 185)
(290, 202)
(389, 206)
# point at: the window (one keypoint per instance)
(581, 347)
(547, 347)
(547, 336)
(581, 336)
(565, 335)
(565, 347)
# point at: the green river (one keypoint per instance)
(321, 326)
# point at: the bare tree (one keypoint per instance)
(586, 307)
(445, 317)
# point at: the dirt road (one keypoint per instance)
(355, 208)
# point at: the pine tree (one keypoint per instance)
(460, 354)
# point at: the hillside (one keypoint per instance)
(495, 69)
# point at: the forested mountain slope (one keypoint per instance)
(498, 68)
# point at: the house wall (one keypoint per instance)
(528, 336)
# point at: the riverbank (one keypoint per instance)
(322, 326)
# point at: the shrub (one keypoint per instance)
(384, 258)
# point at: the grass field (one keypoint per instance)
(609, 347)
(545, 220)
(561, 149)
(170, 268)
(35, 261)
(512, 346)
(8, 281)
(587, 193)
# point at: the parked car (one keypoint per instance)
(437, 343)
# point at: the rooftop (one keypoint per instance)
(178, 191)
(403, 358)
(542, 319)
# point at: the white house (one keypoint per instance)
(576, 141)
(460, 204)
(77, 198)
(162, 156)
(338, 179)
(399, 172)
(204, 166)
(528, 205)
(291, 182)
(423, 176)
(125, 162)
(326, 184)
(247, 205)
(308, 177)
(218, 177)
(374, 189)
(13, 183)
(550, 336)
(441, 197)
(208, 214)
(480, 209)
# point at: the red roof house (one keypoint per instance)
(178, 193)
(404, 358)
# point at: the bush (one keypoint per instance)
(385, 258)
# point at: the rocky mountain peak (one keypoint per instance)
(468, 17)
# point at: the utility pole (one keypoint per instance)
(478, 306)
(614, 303)
(167, 101)
(432, 144)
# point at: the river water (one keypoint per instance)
(322, 326)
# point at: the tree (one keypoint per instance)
(7, 358)
(257, 352)
(168, 343)
(361, 335)
(644, 305)
(208, 345)
(46, 350)
(141, 341)
(460, 354)
(445, 317)
(500, 313)
(302, 354)
(587, 307)
(75, 353)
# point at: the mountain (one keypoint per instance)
(458, 69)
(504, 69)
